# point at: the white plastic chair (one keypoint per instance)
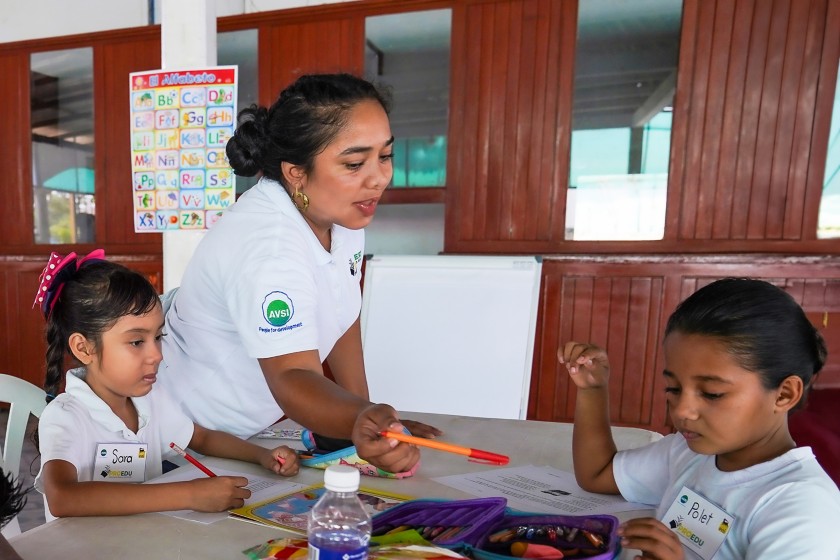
(25, 399)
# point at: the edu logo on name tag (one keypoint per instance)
(700, 524)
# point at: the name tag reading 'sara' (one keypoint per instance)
(120, 462)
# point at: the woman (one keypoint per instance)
(273, 289)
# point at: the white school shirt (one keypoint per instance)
(77, 421)
(785, 508)
(259, 285)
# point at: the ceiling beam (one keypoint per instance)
(662, 97)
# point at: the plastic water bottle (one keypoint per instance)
(339, 525)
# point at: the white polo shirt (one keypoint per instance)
(259, 285)
(785, 508)
(77, 421)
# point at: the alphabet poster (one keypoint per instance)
(180, 123)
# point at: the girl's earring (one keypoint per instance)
(300, 199)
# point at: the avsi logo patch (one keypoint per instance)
(278, 309)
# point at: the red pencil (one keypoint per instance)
(191, 459)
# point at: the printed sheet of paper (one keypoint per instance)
(261, 489)
(538, 489)
(293, 434)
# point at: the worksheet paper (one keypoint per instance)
(261, 489)
(539, 490)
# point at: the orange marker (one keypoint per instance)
(451, 448)
(526, 550)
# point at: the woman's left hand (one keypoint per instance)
(385, 453)
(653, 538)
(420, 429)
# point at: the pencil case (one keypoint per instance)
(485, 529)
(346, 456)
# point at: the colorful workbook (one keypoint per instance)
(291, 511)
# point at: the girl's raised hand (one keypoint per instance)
(653, 538)
(219, 493)
(587, 364)
(282, 460)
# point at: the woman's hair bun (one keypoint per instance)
(245, 149)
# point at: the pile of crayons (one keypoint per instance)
(432, 533)
(522, 541)
(546, 541)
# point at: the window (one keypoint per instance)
(829, 218)
(61, 105)
(625, 76)
(409, 54)
(240, 48)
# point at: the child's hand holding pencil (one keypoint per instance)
(281, 460)
(217, 493)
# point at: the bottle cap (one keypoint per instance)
(341, 478)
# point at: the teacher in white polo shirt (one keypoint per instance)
(272, 291)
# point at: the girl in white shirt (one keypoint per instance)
(740, 354)
(109, 425)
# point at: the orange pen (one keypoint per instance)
(451, 448)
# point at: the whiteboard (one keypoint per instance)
(451, 334)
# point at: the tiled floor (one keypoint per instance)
(33, 514)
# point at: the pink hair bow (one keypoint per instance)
(58, 271)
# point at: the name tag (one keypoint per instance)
(120, 462)
(701, 525)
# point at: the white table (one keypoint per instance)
(158, 536)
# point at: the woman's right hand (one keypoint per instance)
(385, 453)
(219, 493)
(587, 364)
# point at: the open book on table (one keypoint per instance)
(291, 511)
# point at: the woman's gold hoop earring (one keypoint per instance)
(301, 200)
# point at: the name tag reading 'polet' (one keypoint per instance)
(120, 462)
(700, 524)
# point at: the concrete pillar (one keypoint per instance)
(188, 40)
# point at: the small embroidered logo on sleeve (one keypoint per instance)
(355, 263)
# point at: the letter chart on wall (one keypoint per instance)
(180, 123)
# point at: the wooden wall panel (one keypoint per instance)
(289, 50)
(114, 199)
(16, 211)
(754, 95)
(746, 92)
(623, 303)
(23, 336)
(619, 312)
(510, 114)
